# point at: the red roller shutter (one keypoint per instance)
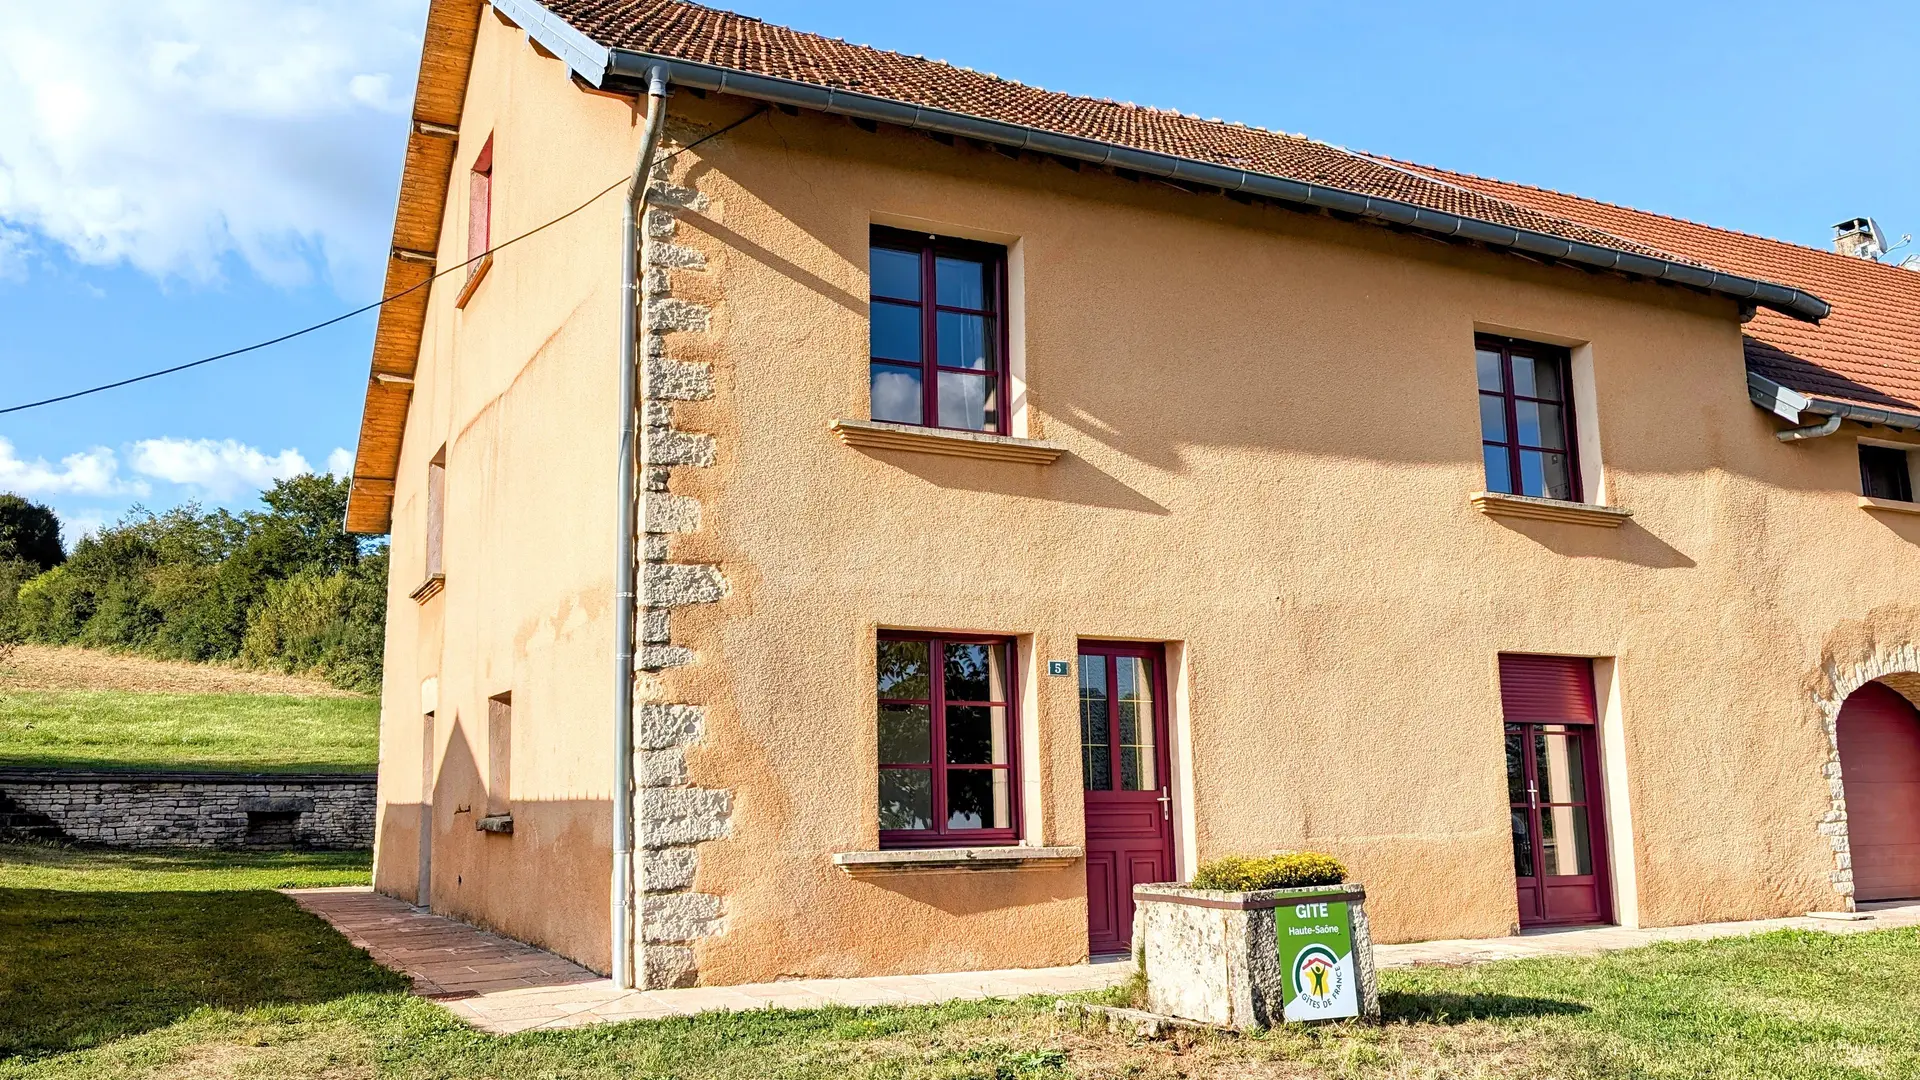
(1547, 689)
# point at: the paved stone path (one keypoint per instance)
(503, 986)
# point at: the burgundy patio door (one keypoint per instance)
(1553, 790)
(1123, 757)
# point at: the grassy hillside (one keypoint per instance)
(76, 708)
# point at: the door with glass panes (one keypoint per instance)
(1123, 758)
(1553, 791)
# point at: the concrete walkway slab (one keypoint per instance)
(504, 986)
(1593, 940)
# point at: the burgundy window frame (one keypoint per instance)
(1159, 719)
(1562, 359)
(940, 835)
(930, 247)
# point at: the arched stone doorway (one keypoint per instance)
(1877, 734)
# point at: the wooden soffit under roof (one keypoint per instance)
(446, 61)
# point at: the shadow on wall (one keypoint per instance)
(1629, 543)
(544, 883)
(1003, 888)
(1904, 526)
(1069, 479)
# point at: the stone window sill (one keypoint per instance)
(1868, 502)
(909, 860)
(1495, 504)
(473, 280)
(429, 588)
(877, 435)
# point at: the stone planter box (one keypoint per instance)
(1217, 957)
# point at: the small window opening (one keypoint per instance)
(480, 206)
(500, 754)
(1884, 473)
(436, 512)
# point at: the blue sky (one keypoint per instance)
(233, 177)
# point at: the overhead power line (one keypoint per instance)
(382, 302)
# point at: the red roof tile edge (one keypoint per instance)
(688, 39)
(1863, 362)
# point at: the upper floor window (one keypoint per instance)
(479, 222)
(946, 734)
(1884, 474)
(436, 528)
(480, 205)
(938, 345)
(1526, 418)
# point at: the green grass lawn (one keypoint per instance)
(116, 729)
(156, 967)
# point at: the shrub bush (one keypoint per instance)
(285, 588)
(13, 574)
(322, 624)
(1281, 870)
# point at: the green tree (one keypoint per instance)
(31, 532)
(285, 587)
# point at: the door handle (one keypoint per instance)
(1166, 805)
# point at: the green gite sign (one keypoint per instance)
(1316, 960)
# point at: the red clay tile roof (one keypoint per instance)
(684, 31)
(1866, 352)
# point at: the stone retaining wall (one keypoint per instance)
(231, 810)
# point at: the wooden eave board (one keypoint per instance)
(446, 63)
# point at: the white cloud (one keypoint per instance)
(340, 463)
(222, 468)
(89, 472)
(75, 524)
(15, 245)
(170, 134)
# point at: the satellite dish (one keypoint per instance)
(1860, 237)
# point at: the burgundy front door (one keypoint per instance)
(1123, 758)
(1553, 790)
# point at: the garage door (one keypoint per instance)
(1880, 765)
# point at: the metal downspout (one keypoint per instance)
(1824, 428)
(625, 920)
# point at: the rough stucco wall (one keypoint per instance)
(1272, 438)
(520, 387)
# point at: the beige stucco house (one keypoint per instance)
(1035, 496)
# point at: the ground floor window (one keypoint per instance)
(947, 728)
